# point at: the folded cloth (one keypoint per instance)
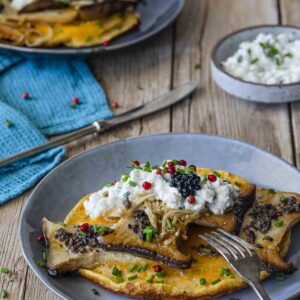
(48, 87)
(17, 134)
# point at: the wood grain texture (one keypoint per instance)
(139, 74)
(212, 110)
(290, 16)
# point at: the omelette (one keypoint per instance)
(73, 23)
(120, 258)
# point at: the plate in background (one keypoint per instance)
(58, 192)
(155, 16)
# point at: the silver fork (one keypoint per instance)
(240, 255)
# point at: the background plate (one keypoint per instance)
(56, 195)
(155, 16)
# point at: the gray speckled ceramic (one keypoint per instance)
(155, 16)
(88, 171)
(227, 46)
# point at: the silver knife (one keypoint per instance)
(100, 126)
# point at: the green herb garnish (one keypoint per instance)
(4, 270)
(217, 173)
(280, 277)
(132, 183)
(169, 224)
(149, 231)
(119, 279)
(125, 177)
(102, 229)
(95, 292)
(271, 191)
(202, 281)
(225, 272)
(116, 271)
(206, 250)
(289, 54)
(180, 171)
(161, 274)
(278, 223)
(61, 223)
(149, 170)
(292, 269)
(160, 281)
(72, 105)
(216, 281)
(4, 294)
(7, 123)
(197, 66)
(283, 199)
(41, 264)
(132, 267)
(254, 61)
(143, 268)
(147, 164)
(133, 277)
(238, 184)
(189, 169)
(268, 238)
(150, 279)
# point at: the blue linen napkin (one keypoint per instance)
(18, 134)
(51, 85)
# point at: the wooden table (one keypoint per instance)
(138, 74)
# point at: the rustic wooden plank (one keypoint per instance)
(290, 16)
(130, 77)
(212, 110)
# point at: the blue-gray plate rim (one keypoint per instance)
(159, 24)
(163, 145)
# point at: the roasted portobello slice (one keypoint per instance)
(267, 224)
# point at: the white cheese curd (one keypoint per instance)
(215, 196)
(19, 4)
(269, 59)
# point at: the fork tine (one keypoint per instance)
(222, 250)
(228, 242)
(229, 248)
(240, 241)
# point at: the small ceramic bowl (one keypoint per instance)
(227, 46)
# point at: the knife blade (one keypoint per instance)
(100, 126)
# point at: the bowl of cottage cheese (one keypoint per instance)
(259, 64)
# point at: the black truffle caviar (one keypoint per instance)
(187, 184)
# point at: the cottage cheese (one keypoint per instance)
(216, 196)
(269, 59)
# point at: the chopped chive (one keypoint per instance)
(61, 223)
(133, 277)
(280, 277)
(278, 61)
(169, 224)
(289, 54)
(283, 199)
(82, 234)
(161, 274)
(155, 167)
(147, 164)
(143, 267)
(204, 180)
(216, 281)
(197, 66)
(102, 229)
(108, 185)
(44, 255)
(254, 61)
(139, 268)
(202, 281)
(206, 250)
(238, 184)
(7, 123)
(225, 272)
(268, 238)
(95, 228)
(125, 177)
(292, 269)
(4, 270)
(147, 170)
(150, 279)
(132, 183)
(4, 294)
(72, 105)
(132, 267)
(95, 292)
(271, 191)
(139, 87)
(278, 223)
(180, 171)
(160, 281)
(189, 170)
(119, 279)
(149, 232)
(217, 174)
(41, 264)
(116, 271)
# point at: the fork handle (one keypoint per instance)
(259, 290)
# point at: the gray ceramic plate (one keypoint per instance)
(226, 47)
(87, 172)
(155, 16)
